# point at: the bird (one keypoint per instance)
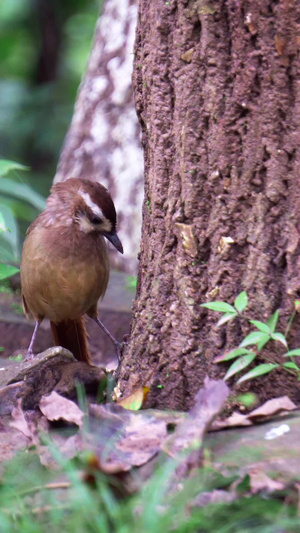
(65, 264)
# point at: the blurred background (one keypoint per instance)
(45, 48)
(50, 129)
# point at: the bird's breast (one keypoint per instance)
(63, 273)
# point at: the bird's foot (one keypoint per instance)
(118, 348)
(29, 355)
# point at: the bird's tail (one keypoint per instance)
(71, 334)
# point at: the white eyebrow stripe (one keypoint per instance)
(89, 202)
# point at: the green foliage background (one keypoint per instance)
(44, 47)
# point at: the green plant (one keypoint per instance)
(131, 283)
(74, 497)
(264, 333)
(18, 201)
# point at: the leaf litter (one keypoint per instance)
(128, 444)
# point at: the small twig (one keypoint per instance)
(49, 486)
(36, 510)
(47, 508)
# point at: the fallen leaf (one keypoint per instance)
(124, 438)
(19, 422)
(142, 439)
(259, 481)
(56, 407)
(272, 407)
(208, 403)
(9, 397)
(11, 440)
(215, 496)
(135, 400)
(236, 419)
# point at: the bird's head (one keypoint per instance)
(87, 204)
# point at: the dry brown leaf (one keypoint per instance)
(124, 438)
(208, 403)
(189, 434)
(11, 440)
(19, 422)
(236, 419)
(259, 481)
(215, 496)
(142, 439)
(272, 407)
(69, 448)
(56, 407)
(9, 397)
(267, 410)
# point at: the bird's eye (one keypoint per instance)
(95, 220)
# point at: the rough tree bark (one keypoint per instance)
(217, 94)
(103, 142)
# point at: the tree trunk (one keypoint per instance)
(217, 94)
(103, 142)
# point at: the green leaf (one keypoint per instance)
(291, 353)
(239, 365)
(221, 307)
(272, 322)
(260, 325)
(131, 283)
(18, 357)
(231, 355)
(265, 337)
(248, 399)
(253, 338)
(7, 270)
(6, 166)
(21, 210)
(259, 370)
(241, 302)
(6, 253)
(10, 229)
(291, 365)
(3, 226)
(226, 318)
(280, 338)
(22, 191)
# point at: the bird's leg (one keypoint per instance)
(29, 355)
(116, 344)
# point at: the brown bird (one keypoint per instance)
(65, 264)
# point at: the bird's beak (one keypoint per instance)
(114, 239)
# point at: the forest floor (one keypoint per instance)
(72, 464)
(142, 470)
